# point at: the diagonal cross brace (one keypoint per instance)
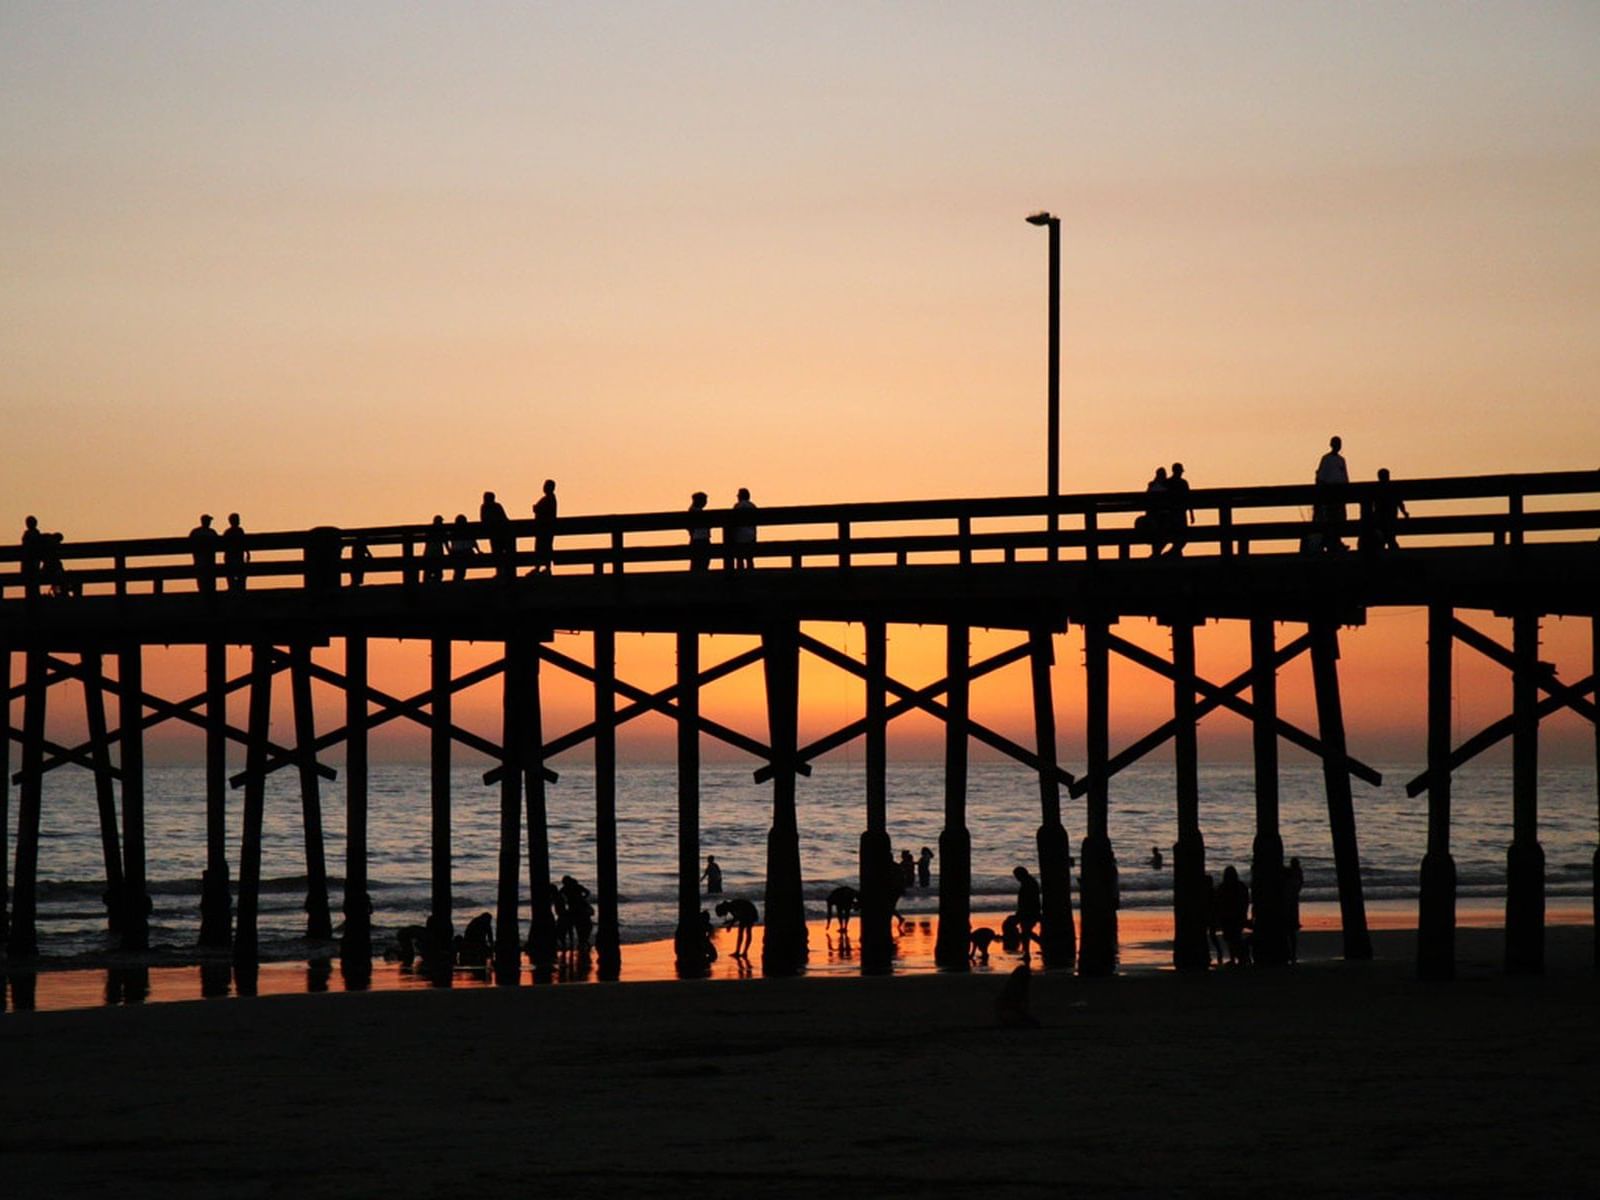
(1545, 678)
(1489, 735)
(1164, 732)
(920, 699)
(1288, 732)
(638, 708)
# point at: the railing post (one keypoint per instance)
(1225, 522)
(616, 552)
(1091, 535)
(408, 559)
(121, 564)
(844, 543)
(964, 533)
(1516, 519)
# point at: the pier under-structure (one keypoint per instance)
(1522, 547)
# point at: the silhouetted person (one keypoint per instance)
(203, 544)
(925, 867)
(1213, 917)
(234, 555)
(463, 547)
(1011, 1009)
(497, 528)
(897, 890)
(1011, 934)
(709, 935)
(712, 876)
(1329, 514)
(360, 556)
(544, 530)
(1028, 909)
(52, 571)
(699, 533)
(842, 901)
(33, 552)
(1294, 879)
(1156, 861)
(407, 946)
(1233, 912)
(1154, 519)
(475, 946)
(434, 547)
(1179, 512)
(743, 914)
(908, 870)
(562, 919)
(1382, 517)
(978, 943)
(739, 538)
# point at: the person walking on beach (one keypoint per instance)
(712, 876)
(434, 546)
(925, 868)
(234, 555)
(1328, 515)
(740, 538)
(744, 914)
(908, 870)
(544, 530)
(1213, 916)
(463, 548)
(1179, 512)
(842, 901)
(203, 544)
(497, 528)
(1233, 911)
(1294, 879)
(699, 533)
(1028, 909)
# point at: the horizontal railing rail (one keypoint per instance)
(1493, 510)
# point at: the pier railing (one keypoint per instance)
(1469, 511)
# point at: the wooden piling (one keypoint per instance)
(784, 945)
(319, 920)
(877, 941)
(1097, 953)
(955, 843)
(94, 711)
(441, 929)
(1191, 948)
(258, 725)
(508, 926)
(1269, 939)
(1336, 780)
(1436, 903)
(1594, 868)
(541, 922)
(356, 946)
(688, 939)
(216, 902)
(1525, 858)
(130, 716)
(23, 941)
(608, 939)
(1058, 940)
(5, 795)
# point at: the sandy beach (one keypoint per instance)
(1326, 1079)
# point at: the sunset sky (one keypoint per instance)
(355, 263)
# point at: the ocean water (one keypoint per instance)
(735, 813)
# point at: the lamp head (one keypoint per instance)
(1040, 218)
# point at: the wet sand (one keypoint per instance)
(1326, 1079)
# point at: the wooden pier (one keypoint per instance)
(1518, 546)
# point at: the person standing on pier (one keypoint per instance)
(1382, 516)
(1154, 519)
(234, 555)
(497, 528)
(699, 533)
(463, 547)
(1181, 515)
(544, 530)
(433, 551)
(1328, 515)
(740, 537)
(203, 542)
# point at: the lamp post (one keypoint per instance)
(1053, 434)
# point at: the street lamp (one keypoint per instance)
(1053, 434)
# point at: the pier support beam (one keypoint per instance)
(1058, 940)
(1336, 779)
(688, 938)
(319, 919)
(608, 938)
(130, 716)
(1097, 955)
(441, 927)
(1594, 653)
(507, 922)
(1191, 948)
(216, 902)
(1270, 937)
(1436, 903)
(5, 796)
(784, 943)
(955, 843)
(94, 712)
(541, 919)
(258, 724)
(877, 942)
(355, 951)
(23, 941)
(1525, 859)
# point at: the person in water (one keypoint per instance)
(712, 876)
(925, 867)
